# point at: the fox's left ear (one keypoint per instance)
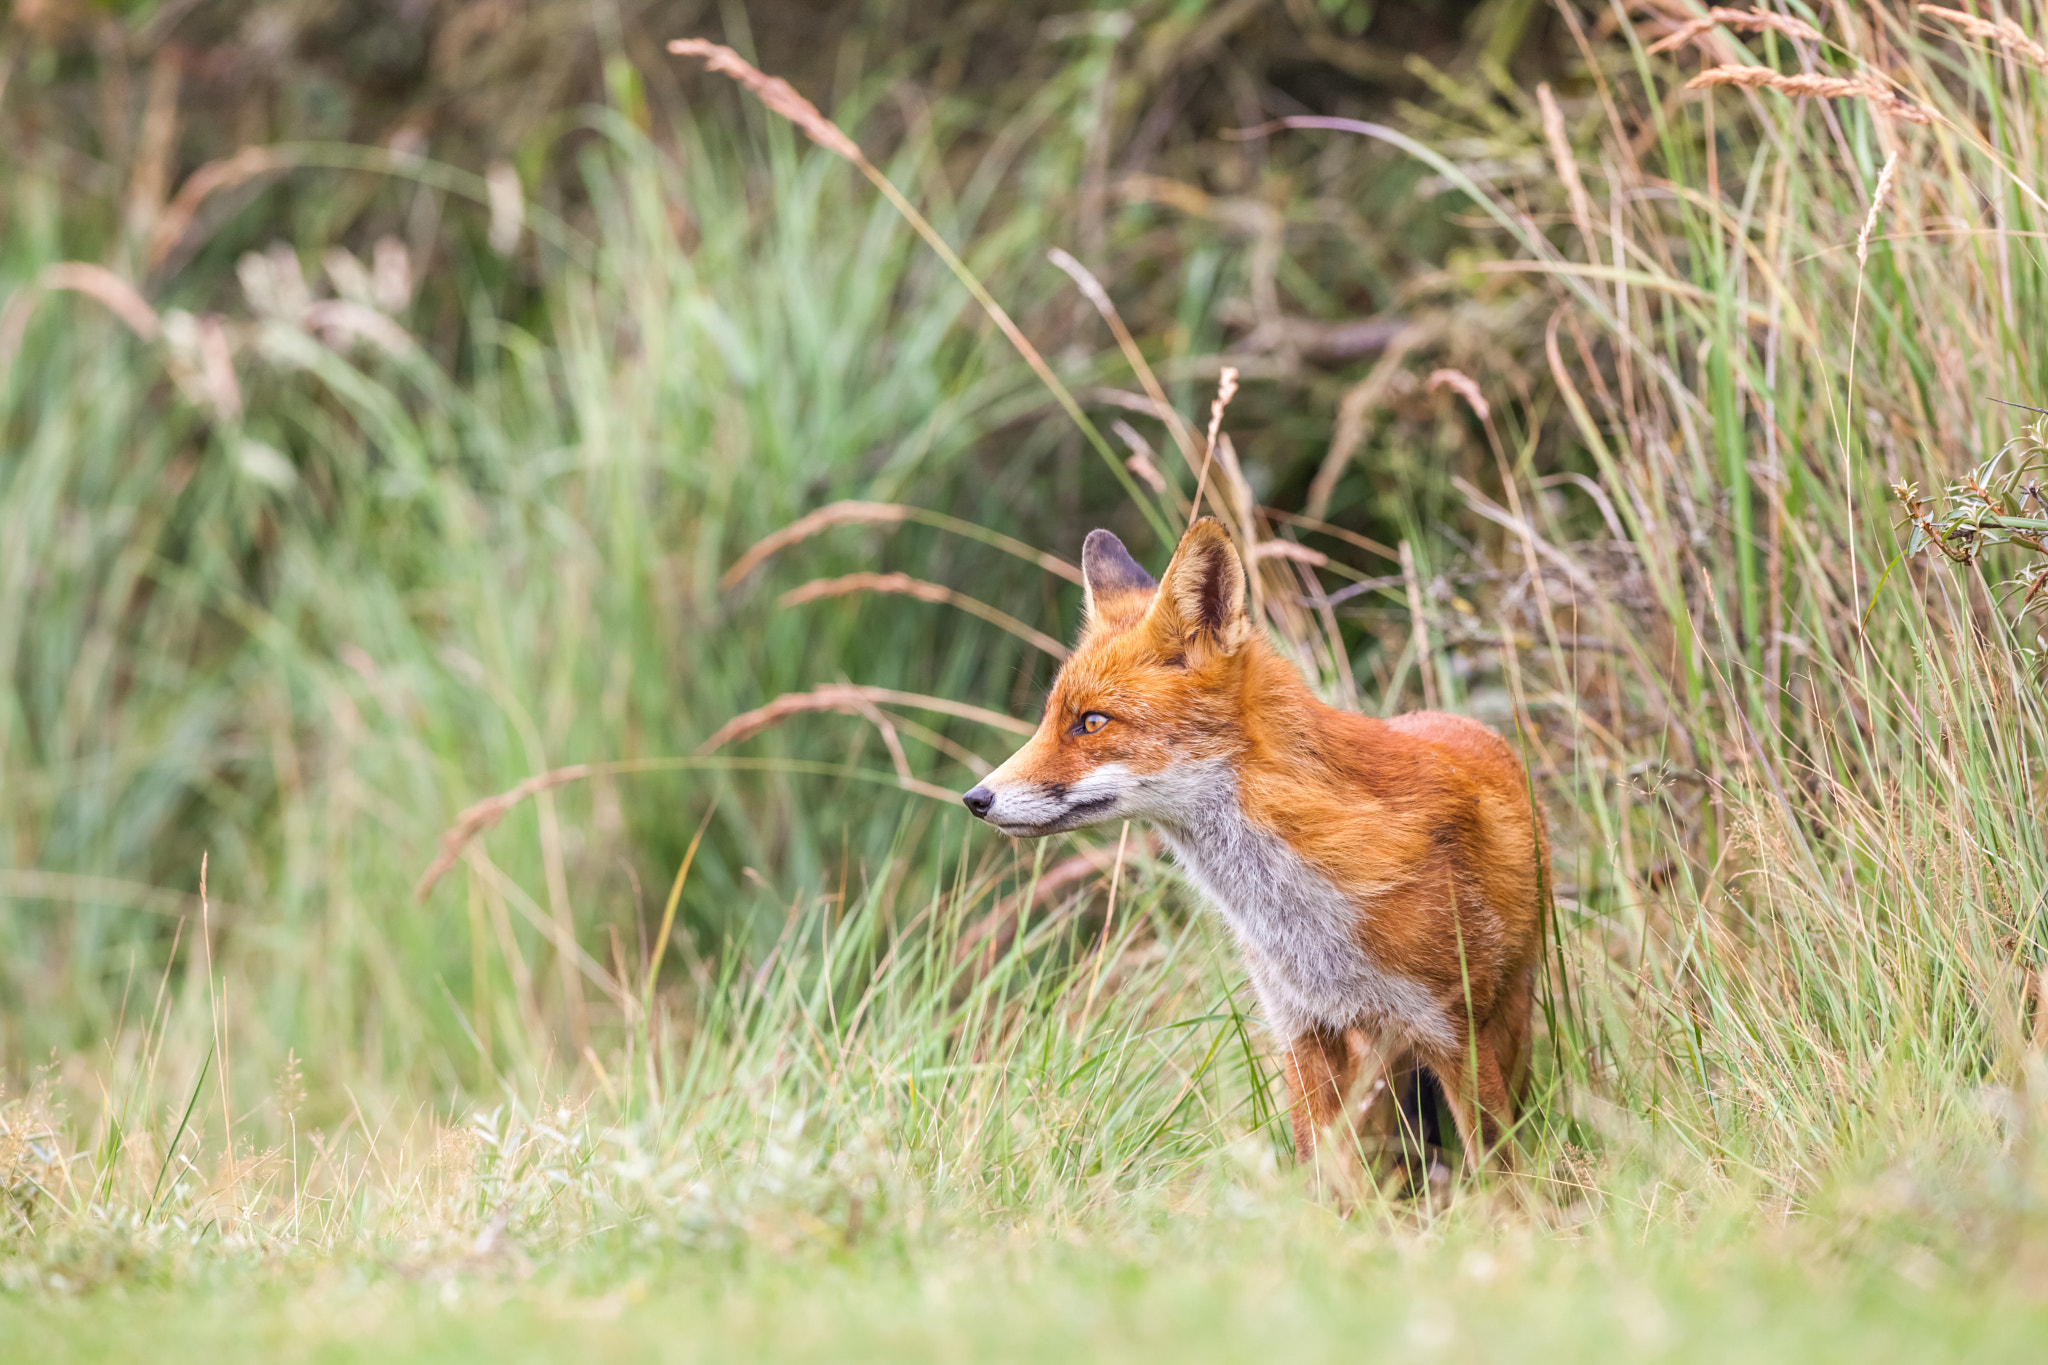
(1116, 588)
(1200, 610)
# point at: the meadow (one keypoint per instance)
(499, 592)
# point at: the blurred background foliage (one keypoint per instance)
(389, 389)
(413, 463)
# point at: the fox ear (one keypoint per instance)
(1116, 589)
(1200, 608)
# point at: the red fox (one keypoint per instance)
(1382, 878)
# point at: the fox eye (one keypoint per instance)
(1092, 722)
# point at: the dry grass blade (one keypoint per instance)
(1747, 21)
(29, 884)
(1289, 550)
(1881, 96)
(1226, 389)
(1355, 411)
(847, 698)
(773, 91)
(782, 99)
(2006, 32)
(1139, 461)
(108, 289)
(903, 585)
(1465, 387)
(214, 176)
(1104, 305)
(1567, 165)
(477, 818)
(858, 513)
(1885, 180)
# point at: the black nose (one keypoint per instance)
(978, 801)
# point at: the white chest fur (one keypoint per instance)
(1297, 931)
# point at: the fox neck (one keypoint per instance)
(1297, 929)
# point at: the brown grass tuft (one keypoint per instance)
(1747, 21)
(1881, 96)
(2006, 32)
(778, 94)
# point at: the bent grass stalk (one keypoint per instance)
(780, 98)
(858, 513)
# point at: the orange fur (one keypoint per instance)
(1411, 847)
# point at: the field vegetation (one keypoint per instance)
(510, 541)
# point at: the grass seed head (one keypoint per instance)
(1747, 21)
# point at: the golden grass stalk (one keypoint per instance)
(1290, 550)
(904, 585)
(483, 815)
(109, 290)
(775, 92)
(29, 884)
(225, 173)
(847, 699)
(1139, 461)
(781, 98)
(1355, 410)
(1881, 96)
(857, 513)
(1464, 386)
(1567, 165)
(96, 282)
(2006, 32)
(668, 909)
(1746, 21)
(1226, 389)
(1092, 289)
(477, 818)
(1885, 179)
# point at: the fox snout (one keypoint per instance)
(1026, 809)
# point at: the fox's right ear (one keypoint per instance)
(1200, 609)
(1116, 589)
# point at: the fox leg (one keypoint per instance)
(1477, 1095)
(1509, 1032)
(1387, 1125)
(1320, 1068)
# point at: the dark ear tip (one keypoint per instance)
(1108, 567)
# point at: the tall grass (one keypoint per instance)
(1797, 943)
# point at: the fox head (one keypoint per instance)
(1146, 709)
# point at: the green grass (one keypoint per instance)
(887, 1085)
(1231, 1289)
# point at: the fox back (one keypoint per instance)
(1383, 876)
